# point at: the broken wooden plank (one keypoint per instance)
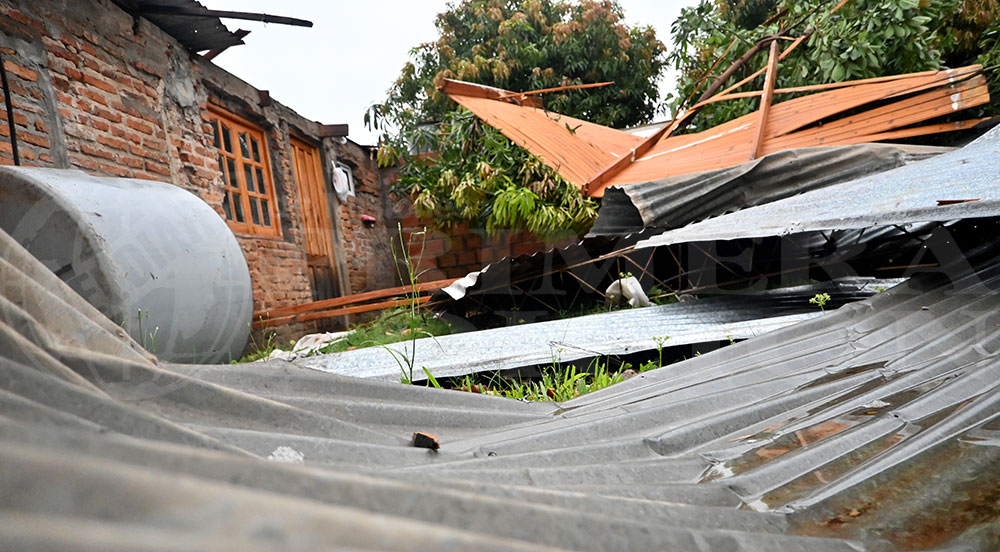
(260, 323)
(765, 100)
(352, 299)
(522, 95)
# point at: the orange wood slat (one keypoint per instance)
(801, 112)
(908, 111)
(728, 144)
(522, 95)
(473, 90)
(765, 100)
(351, 299)
(308, 317)
(595, 157)
(755, 74)
(923, 130)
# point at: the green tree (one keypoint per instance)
(864, 38)
(473, 172)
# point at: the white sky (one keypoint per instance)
(354, 51)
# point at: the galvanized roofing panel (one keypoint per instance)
(617, 332)
(677, 201)
(918, 192)
(871, 427)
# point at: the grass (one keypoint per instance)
(259, 351)
(391, 326)
(558, 383)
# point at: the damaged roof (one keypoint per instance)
(677, 201)
(188, 21)
(957, 185)
(619, 332)
(594, 157)
(869, 427)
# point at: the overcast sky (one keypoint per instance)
(333, 71)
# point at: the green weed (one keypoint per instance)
(259, 351)
(821, 299)
(558, 383)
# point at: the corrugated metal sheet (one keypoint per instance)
(606, 157)
(869, 428)
(619, 332)
(576, 149)
(904, 195)
(678, 201)
(195, 33)
(789, 123)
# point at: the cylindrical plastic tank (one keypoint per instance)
(150, 256)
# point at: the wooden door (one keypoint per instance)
(316, 219)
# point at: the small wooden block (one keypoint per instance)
(425, 440)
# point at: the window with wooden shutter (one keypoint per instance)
(249, 202)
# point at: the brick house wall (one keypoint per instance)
(91, 94)
(459, 250)
(367, 250)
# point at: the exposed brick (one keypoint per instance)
(21, 71)
(25, 20)
(157, 168)
(34, 139)
(99, 83)
(96, 152)
(63, 53)
(139, 126)
(106, 114)
(94, 96)
(466, 258)
(113, 142)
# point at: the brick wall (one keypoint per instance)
(91, 94)
(368, 254)
(461, 250)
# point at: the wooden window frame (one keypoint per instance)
(251, 200)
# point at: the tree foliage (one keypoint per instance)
(473, 172)
(863, 39)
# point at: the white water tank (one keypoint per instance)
(150, 256)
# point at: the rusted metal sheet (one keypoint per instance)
(595, 157)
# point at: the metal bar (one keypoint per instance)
(765, 100)
(189, 12)
(643, 271)
(584, 282)
(10, 112)
(532, 296)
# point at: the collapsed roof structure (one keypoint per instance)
(871, 426)
(595, 157)
(867, 428)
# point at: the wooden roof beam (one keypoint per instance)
(765, 100)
